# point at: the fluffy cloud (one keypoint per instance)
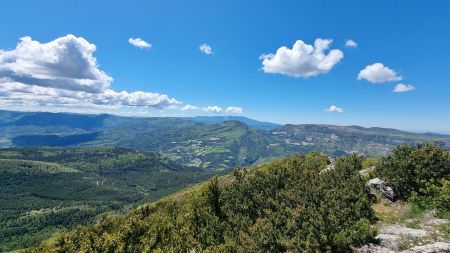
(140, 43)
(44, 96)
(213, 109)
(206, 49)
(351, 43)
(66, 63)
(217, 109)
(64, 72)
(188, 107)
(234, 109)
(302, 60)
(137, 98)
(334, 108)
(403, 87)
(378, 73)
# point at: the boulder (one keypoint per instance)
(381, 186)
(387, 240)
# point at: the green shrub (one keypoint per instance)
(435, 194)
(414, 169)
(289, 205)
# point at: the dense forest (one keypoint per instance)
(45, 190)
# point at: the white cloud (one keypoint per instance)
(64, 72)
(378, 73)
(137, 98)
(351, 43)
(404, 87)
(213, 109)
(206, 49)
(234, 109)
(334, 108)
(66, 63)
(188, 107)
(302, 60)
(44, 95)
(140, 43)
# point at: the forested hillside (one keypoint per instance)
(214, 143)
(44, 190)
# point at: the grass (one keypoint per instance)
(390, 212)
(408, 241)
(415, 211)
(416, 224)
(445, 229)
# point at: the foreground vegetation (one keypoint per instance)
(45, 190)
(293, 204)
(419, 174)
(303, 203)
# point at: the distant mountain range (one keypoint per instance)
(210, 143)
(249, 122)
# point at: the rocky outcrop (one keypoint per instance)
(392, 239)
(371, 248)
(381, 186)
(401, 230)
(437, 247)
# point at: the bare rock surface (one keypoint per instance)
(401, 230)
(437, 247)
(371, 248)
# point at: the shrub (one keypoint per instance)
(414, 169)
(435, 194)
(289, 205)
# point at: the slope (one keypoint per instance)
(43, 190)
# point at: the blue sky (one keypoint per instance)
(411, 38)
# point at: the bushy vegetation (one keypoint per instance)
(289, 205)
(420, 173)
(44, 190)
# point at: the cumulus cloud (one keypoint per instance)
(188, 107)
(213, 109)
(404, 87)
(64, 72)
(351, 43)
(66, 63)
(378, 73)
(302, 60)
(334, 108)
(140, 43)
(234, 109)
(137, 98)
(206, 49)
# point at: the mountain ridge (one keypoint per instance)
(220, 143)
(266, 125)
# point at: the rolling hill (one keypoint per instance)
(212, 143)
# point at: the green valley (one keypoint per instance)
(213, 143)
(44, 190)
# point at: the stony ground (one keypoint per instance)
(406, 228)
